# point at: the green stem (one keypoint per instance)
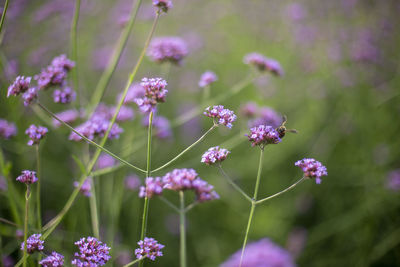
(253, 205)
(27, 196)
(206, 93)
(94, 212)
(191, 206)
(169, 204)
(112, 64)
(281, 192)
(186, 150)
(233, 184)
(182, 229)
(8, 222)
(3, 15)
(74, 48)
(38, 175)
(133, 262)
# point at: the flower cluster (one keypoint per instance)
(214, 155)
(64, 96)
(27, 177)
(132, 182)
(221, 115)
(153, 186)
(167, 49)
(262, 135)
(105, 161)
(263, 63)
(30, 96)
(91, 253)
(33, 243)
(20, 85)
(53, 260)
(36, 133)
(125, 113)
(67, 116)
(134, 91)
(163, 5)
(260, 115)
(86, 187)
(207, 78)
(96, 126)
(155, 92)
(55, 74)
(149, 248)
(312, 169)
(393, 180)
(261, 253)
(161, 125)
(7, 129)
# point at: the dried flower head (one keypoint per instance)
(30, 96)
(36, 133)
(214, 155)
(53, 260)
(163, 5)
(149, 248)
(312, 169)
(263, 135)
(263, 63)
(27, 177)
(155, 92)
(167, 49)
(20, 85)
(92, 252)
(64, 96)
(221, 115)
(153, 186)
(7, 129)
(33, 243)
(207, 78)
(86, 187)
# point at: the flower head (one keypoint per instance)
(63, 62)
(163, 5)
(36, 133)
(149, 248)
(96, 126)
(393, 180)
(67, 116)
(161, 125)
(132, 182)
(33, 243)
(92, 252)
(207, 78)
(266, 116)
(27, 177)
(263, 135)
(163, 49)
(53, 260)
(86, 187)
(263, 63)
(155, 92)
(105, 161)
(153, 186)
(249, 109)
(7, 129)
(55, 73)
(312, 169)
(30, 96)
(221, 115)
(214, 155)
(64, 96)
(20, 85)
(134, 91)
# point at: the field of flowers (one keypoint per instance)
(199, 133)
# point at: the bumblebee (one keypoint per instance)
(282, 129)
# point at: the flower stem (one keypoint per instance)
(281, 192)
(93, 212)
(253, 205)
(166, 201)
(186, 150)
(182, 229)
(234, 185)
(27, 196)
(133, 262)
(38, 175)
(3, 15)
(74, 47)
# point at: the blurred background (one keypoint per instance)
(340, 90)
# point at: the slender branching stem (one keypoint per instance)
(8, 222)
(233, 184)
(186, 150)
(253, 205)
(133, 262)
(191, 206)
(281, 192)
(39, 176)
(27, 196)
(74, 48)
(3, 15)
(169, 204)
(182, 229)
(94, 212)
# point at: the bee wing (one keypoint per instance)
(292, 131)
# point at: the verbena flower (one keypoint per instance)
(161, 125)
(20, 85)
(36, 133)
(207, 78)
(167, 49)
(132, 182)
(214, 155)
(312, 169)
(134, 91)
(53, 260)
(393, 180)
(7, 129)
(266, 116)
(3, 184)
(54, 74)
(64, 96)
(153, 186)
(27, 177)
(204, 191)
(263, 63)
(262, 253)
(92, 252)
(86, 188)
(163, 5)
(105, 161)
(149, 248)
(33, 243)
(263, 135)
(221, 115)
(155, 92)
(30, 96)
(249, 109)
(63, 62)
(67, 116)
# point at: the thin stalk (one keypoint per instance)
(182, 229)
(38, 175)
(253, 205)
(186, 150)
(112, 64)
(8, 222)
(27, 196)
(191, 206)
(133, 262)
(206, 93)
(74, 47)
(281, 192)
(3, 15)
(94, 212)
(233, 184)
(169, 204)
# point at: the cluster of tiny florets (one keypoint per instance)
(7, 129)
(214, 155)
(263, 63)
(64, 96)
(312, 169)
(221, 115)
(92, 252)
(30, 96)
(56, 73)
(153, 186)
(149, 248)
(96, 126)
(20, 85)
(262, 135)
(163, 5)
(27, 177)
(53, 260)
(167, 49)
(155, 92)
(33, 243)
(36, 133)
(207, 78)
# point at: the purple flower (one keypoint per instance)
(262, 253)
(30, 96)
(36, 133)
(54, 260)
(27, 177)
(56, 73)
(7, 129)
(105, 161)
(161, 125)
(63, 62)
(67, 116)
(214, 155)
(263, 63)
(207, 78)
(263, 135)
(96, 126)
(393, 180)
(3, 184)
(153, 186)
(221, 115)
(155, 92)
(20, 85)
(149, 248)
(64, 96)
(8, 261)
(125, 113)
(92, 252)
(163, 49)
(86, 187)
(267, 116)
(33, 243)
(249, 110)
(204, 191)
(132, 182)
(134, 91)
(163, 5)
(312, 169)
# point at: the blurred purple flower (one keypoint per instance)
(105, 161)
(296, 12)
(263, 135)
(153, 186)
(67, 116)
(3, 184)
(296, 241)
(132, 182)
(86, 187)
(161, 125)
(312, 169)
(64, 96)
(30, 96)
(163, 49)
(7, 129)
(393, 180)
(149, 248)
(207, 78)
(36, 133)
(263, 63)
(267, 116)
(33, 243)
(221, 115)
(92, 252)
(54, 260)
(124, 257)
(214, 155)
(134, 91)
(7, 261)
(249, 109)
(20, 85)
(54, 74)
